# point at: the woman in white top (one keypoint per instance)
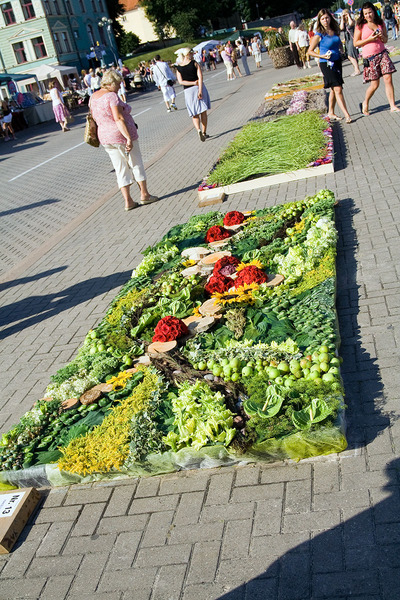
(303, 41)
(95, 82)
(60, 111)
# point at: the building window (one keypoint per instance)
(57, 43)
(19, 52)
(8, 13)
(93, 6)
(82, 6)
(76, 34)
(101, 8)
(57, 7)
(27, 9)
(39, 47)
(102, 36)
(89, 29)
(47, 7)
(65, 39)
(69, 7)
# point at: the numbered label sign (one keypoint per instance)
(9, 503)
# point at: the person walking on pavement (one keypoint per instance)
(347, 25)
(256, 52)
(390, 21)
(117, 133)
(164, 79)
(60, 110)
(327, 37)
(303, 42)
(293, 35)
(371, 35)
(197, 99)
(226, 57)
(242, 52)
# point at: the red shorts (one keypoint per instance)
(379, 65)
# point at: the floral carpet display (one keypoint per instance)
(300, 138)
(221, 348)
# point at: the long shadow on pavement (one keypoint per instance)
(23, 280)
(35, 309)
(4, 213)
(359, 558)
(360, 371)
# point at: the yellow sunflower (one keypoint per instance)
(244, 293)
(120, 381)
(189, 263)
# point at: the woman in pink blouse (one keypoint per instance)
(117, 133)
(370, 34)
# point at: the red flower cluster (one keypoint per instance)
(218, 283)
(168, 329)
(226, 265)
(216, 232)
(233, 218)
(250, 274)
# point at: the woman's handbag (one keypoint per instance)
(90, 135)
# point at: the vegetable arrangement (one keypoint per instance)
(286, 144)
(251, 370)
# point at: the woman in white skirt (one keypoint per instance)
(197, 99)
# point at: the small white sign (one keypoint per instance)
(9, 503)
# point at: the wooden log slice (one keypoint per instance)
(195, 253)
(234, 228)
(103, 387)
(191, 319)
(274, 280)
(210, 308)
(70, 403)
(191, 271)
(90, 396)
(144, 360)
(161, 347)
(219, 243)
(211, 259)
(204, 324)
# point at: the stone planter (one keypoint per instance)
(281, 57)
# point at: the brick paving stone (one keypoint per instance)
(124, 550)
(165, 555)
(189, 508)
(56, 588)
(55, 538)
(88, 519)
(204, 562)
(120, 501)
(155, 504)
(120, 524)
(169, 582)
(23, 588)
(158, 529)
(88, 575)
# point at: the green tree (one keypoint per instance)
(128, 42)
(186, 24)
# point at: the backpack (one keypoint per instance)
(387, 12)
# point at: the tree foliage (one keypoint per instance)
(128, 42)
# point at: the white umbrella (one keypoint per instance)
(206, 45)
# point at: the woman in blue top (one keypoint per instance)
(327, 37)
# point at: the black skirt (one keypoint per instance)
(332, 75)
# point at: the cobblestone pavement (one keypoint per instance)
(324, 528)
